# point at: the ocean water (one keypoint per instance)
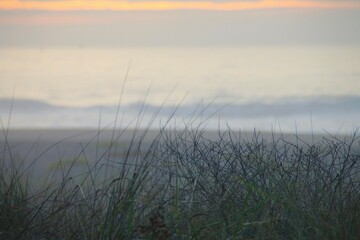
(284, 88)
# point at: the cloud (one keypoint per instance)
(179, 28)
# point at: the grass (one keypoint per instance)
(188, 186)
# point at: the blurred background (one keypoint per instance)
(270, 65)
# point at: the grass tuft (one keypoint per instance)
(185, 185)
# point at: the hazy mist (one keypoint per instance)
(180, 28)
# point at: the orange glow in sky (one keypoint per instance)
(118, 5)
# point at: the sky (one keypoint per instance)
(322, 58)
(125, 5)
(178, 23)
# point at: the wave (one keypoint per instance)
(327, 105)
(27, 105)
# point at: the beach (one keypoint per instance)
(177, 120)
(165, 174)
(81, 148)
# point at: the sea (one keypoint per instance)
(266, 88)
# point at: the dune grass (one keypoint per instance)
(188, 186)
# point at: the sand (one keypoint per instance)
(44, 149)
